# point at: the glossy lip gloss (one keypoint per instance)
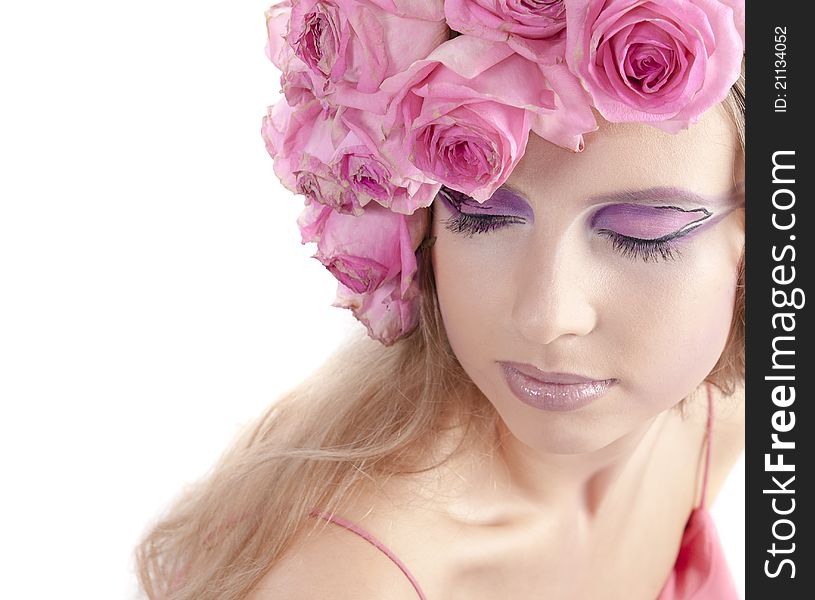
(552, 391)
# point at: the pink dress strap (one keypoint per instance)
(700, 571)
(708, 444)
(368, 537)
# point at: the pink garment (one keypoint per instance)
(700, 571)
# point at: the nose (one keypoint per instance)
(556, 290)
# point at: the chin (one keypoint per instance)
(565, 433)
(591, 429)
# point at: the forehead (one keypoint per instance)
(624, 155)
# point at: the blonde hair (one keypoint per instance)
(369, 413)
(729, 370)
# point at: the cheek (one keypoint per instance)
(673, 324)
(473, 290)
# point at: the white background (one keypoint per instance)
(154, 295)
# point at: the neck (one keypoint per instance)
(512, 480)
(577, 483)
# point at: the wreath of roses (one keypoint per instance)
(387, 101)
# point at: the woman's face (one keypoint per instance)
(612, 271)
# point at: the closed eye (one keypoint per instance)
(471, 222)
(664, 247)
(469, 225)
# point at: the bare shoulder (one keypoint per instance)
(332, 563)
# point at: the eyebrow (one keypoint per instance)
(658, 193)
(663, 194)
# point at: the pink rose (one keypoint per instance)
(353, 45)
(340, 158)
(286, 130)
(427, 10)
(572, 116)
(316, 181)
(523, 24)
(302, 141)
(296, 80)
(364, 251)
(663, 62)
(311, 221)
(297, 83)
(466, 111)
(387, 314)
(373, 258)
(738, 15)
(375, 167)
(503, 20)
(277, 22)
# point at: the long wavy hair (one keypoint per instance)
(368, 413)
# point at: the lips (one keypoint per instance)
(553, 391)
(536, 373)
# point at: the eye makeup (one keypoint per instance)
(648, 222)
(647, 232)
(470, 217)
(635, 228)
(504, 202)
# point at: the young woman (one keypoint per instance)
(539, 220)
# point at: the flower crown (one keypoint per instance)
(386, 101)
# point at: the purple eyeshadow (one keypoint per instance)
(503, 202)
(646, 222)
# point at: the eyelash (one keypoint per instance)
(648, 250)
(470, 225)
(663, 248)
